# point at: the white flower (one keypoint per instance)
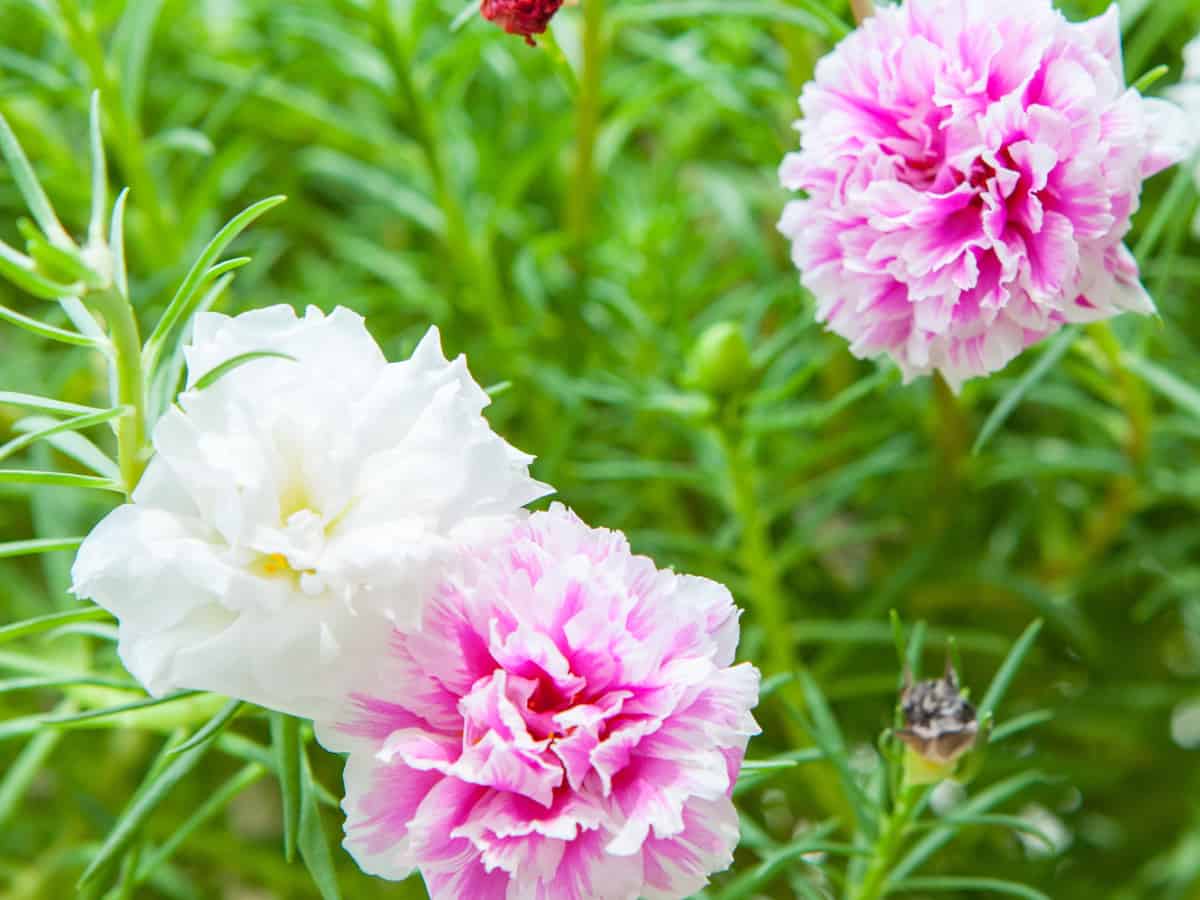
(296, 511)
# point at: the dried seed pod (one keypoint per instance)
(940, 725)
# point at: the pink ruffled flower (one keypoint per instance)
(568, 724)
(970, 169)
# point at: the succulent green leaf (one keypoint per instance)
(48, 622)
(41, 329)
(182, 305)
(285, 740)
(30, 187)
(96, 224)
(213, 728)
(1008, 670)
(22, 271)
(145, 801)
(313, 845)
(79, 422)
(59, 479)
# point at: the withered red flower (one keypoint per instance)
(523, 17)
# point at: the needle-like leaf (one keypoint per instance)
(76, 424)
(145, 800)
(218, 372)
(285, 739)
(31, 188)
(182, 305)
(96, 224)
(212, 728)
(49, 622)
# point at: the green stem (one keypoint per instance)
(1122, 496)
(125, 887)
(1133, 397)
(130, 143)
(953, 433)
(458, 241)
(583, 186)
(768, 600)
(887, 847)
(756, 558)
(132, 449)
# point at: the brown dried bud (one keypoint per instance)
(523, 17)
(940, 725)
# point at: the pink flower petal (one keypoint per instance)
(598, 725)
(970, 168)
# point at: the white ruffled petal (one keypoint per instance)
(297, 512)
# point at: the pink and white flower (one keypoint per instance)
(568, 724)
(297, 510)
(970, 168)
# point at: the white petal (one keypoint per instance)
(298, 512)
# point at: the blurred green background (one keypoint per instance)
(574, 218)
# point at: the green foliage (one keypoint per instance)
(285, 738)
(212, 377)
(578, 219)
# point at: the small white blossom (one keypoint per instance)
(296, 511)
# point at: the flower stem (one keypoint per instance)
(458, 241)
(1121, 498)
(756, 558)
(1133, 397)
(583, 188)
(769, 603)
(132, 450)
(953, 433)
(130, 143)
(891, 839)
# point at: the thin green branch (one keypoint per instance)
(892, 834)
(132, 448)
(581, 196)
(129, 141)
(459, 242)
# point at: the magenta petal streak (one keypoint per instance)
(567, 724)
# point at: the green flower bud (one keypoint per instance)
(62, 265)
(719, 363)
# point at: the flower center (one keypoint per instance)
(548, 697)
(294, 551)
(275, 563)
